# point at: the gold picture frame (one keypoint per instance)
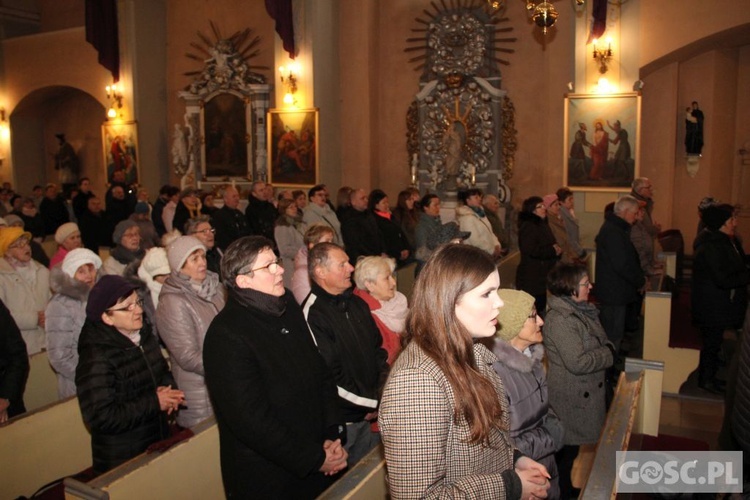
(120, 150)
(602, 141)
(293, 147)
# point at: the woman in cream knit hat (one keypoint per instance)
(68, 237)
(535, 429)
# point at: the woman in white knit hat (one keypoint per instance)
(66, 312)
(68, 237)
(189, 300)
(534, 427)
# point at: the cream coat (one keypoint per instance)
(25, 300)
(480, 228)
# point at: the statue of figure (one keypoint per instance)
(694, 130)
(66, 162)
(453, 141)
(179, 149)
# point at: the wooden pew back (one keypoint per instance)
(41, 446)
(41, 387)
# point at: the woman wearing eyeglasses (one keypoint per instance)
(124, 386)
(189, 300)
(24, 287)
(579, 354)
(274, 398)
(201, 228)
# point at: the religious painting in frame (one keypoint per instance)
(602, 141)
(293, 147)
(120, 148)
(226, 140)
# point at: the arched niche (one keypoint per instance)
(35, 121)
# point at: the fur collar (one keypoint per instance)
(63, 284)
(515, 360)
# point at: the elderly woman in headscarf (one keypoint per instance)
(127, 238)
(24, 287)
(124, 386)
(534, 428)
(189, 300)
(66, 313)
(68, 237)
(377, 287)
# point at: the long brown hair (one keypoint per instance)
(452, 271)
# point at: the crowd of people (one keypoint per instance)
(285, 323)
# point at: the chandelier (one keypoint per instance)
(543, 13)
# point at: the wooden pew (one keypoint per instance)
(507, 269)
(41, 387)
(41, 446)
(679, 363)
(189, 469)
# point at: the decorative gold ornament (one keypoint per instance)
(544, 16)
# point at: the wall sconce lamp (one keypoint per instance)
(114, 94)
(290, 82)
(4, 135)
(603, 56)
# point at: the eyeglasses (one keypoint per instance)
(272, 267)
(129, 307)
(20, 243)
(586, 284)
(206, 231)
(539, 207)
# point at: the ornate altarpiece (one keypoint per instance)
(223, 135)
(461, 124)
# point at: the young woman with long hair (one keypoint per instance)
(443, 414)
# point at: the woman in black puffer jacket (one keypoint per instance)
(125, 389)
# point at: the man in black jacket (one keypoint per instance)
(14, 367)
(619, 277)
(350, 342)
(260, 212)
(360, 228)
(719, 288)
(229, 221)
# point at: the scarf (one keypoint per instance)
(29, 212)
(125, 256)
(393, 313)
(205, 289)
(385, 215)
(586, 308)
(479, 211)
(269, 304)
(24, 269)
(134, 337)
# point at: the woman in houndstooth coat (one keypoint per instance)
(443, 415)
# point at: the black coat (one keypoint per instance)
(393, 237)
(14, 363)
(361, 234)
(95, 230)
(54, 214)
(116, 382)
(351, 344)
(261, 217)
(538, 257)
(156, 214)
(619, 276)
(720, 279)
(230, 224)
(274, 401)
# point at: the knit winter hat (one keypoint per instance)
(514, 313)
(180, 249)
(155, 262)
(549, 199)
(106, 293)
(120, 229)
(64, 231)
(78, 257)
(716, 215)
(12, 219)
(10, 234)
(141, 207)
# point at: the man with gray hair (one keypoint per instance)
(350, 342)
(229, 221)
(643, 190)
(619, 277)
